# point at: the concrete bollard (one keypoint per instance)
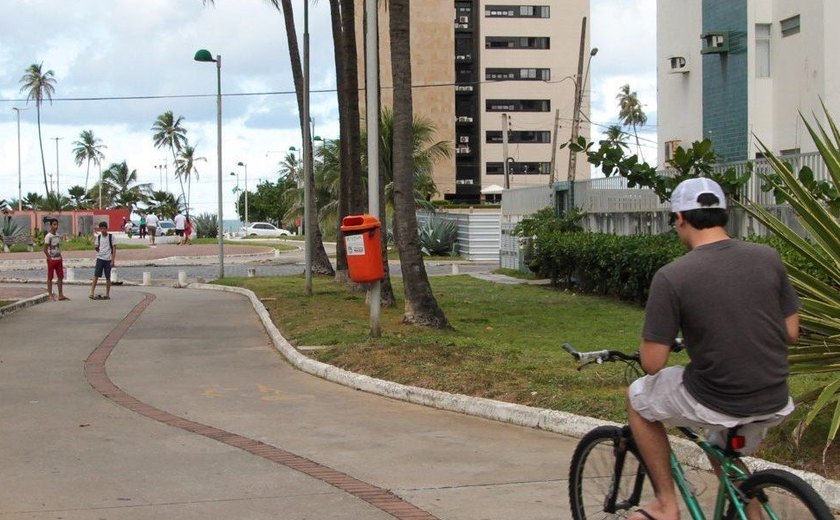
(182, 278)
(252, 272)
(276, 253)
(70, 275)
(147, 278)
(114, 277)
(456, 269)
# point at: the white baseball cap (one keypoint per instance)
(684, 196)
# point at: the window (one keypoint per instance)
(790, 26)
(517, 11)
(517, 74)
(671, 148)
(519, 168)
(518, 105)
(517, 42)
(762, 50)
(520, 136)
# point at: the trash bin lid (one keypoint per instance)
(359, 223)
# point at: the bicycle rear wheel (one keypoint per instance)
(607, 478)
(782, 496)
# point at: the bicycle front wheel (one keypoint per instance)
(607, 478)
(780, 495)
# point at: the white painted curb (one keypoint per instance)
(541, 418)
(22, 304)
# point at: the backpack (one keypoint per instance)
(110, 241)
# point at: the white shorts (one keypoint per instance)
(663, 397)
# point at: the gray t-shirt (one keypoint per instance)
(730, 299)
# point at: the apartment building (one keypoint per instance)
(740, 71)
(475, 60)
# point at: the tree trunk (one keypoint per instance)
(320, 260)
(341, 85)
(41, 144)
(421, 306)
(386, 291)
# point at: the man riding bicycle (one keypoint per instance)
(737, 312)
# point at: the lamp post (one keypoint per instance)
(308, 218)
(57, 181)
(372, 108)
(204, 55)
(236, 190)
(20, 191)
(579, 85)
(245, 166)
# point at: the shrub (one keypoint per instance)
(438, 237)
(205, 225)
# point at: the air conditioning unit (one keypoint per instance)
(464, 139)
(464, 19)
(462, 26)
(677, 64)
(464, 119)
(671, 148)
(462, 150)
(714, 42)
(463, 88)
(461, 57)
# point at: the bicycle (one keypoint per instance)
(608, 479)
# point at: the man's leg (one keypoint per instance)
(108, 280)
(50, 278)
(97, 272)
(655, 450)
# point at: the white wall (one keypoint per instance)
(679, 95)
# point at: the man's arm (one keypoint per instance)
(792, 326)
(654, 356)
(113, 254)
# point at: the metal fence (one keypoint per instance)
(478, 232)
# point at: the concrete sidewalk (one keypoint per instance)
(202, 356)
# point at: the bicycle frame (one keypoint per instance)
(730, 475)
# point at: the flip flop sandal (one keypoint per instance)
(91, 296)
(645, 514)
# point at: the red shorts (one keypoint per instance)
(55, 266)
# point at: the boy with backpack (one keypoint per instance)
(106, 256)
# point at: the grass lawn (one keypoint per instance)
(505, 345)
(3, 303)
(252, 242)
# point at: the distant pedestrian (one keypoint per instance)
(106, 257)
(180, 224)
(151, 227)
(142, 231)
(188, 230)
(55, 264)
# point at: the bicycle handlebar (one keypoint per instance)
(601, 356)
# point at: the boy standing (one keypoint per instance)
(55, 264)
(106, 256)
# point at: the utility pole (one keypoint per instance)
(372, 109)
(505, 125)
(20, 191)
(576, 115)
(552, 173)
(57, 180)
(51, 182)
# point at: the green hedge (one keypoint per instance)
(620, 266)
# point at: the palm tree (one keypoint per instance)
(33, 200)
(39, 84)
(421, 306)
(169, 133)
(121, 184)
(630, 113)
(163, 204)
(56, 202)
(79, 197)
(616, 136)
(185, 168)
(88, 149)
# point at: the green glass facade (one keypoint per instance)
(725, 80)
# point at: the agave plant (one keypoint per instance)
(438, 237)
(819, 348)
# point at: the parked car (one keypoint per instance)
(165, 227)
(264, 229)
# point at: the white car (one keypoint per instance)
(164, 226)
(264, 229)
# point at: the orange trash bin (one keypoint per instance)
(364, 248)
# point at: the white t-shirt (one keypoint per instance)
(53, 243)
(180, 221)
(151, 220)
(104, 250)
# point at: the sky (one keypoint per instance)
(118, 64)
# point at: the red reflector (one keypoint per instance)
(738, 442)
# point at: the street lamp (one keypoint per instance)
(240, 163)
(20, 192)
(57, 181)
(236, 190)
(204, 55)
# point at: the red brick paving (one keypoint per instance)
(98, 378)
(161, 251)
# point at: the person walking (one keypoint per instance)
(55, 264)
(106, 257)
(180, 224)
(151, 227)
(142, 231)
(737, 312)
(188, 230)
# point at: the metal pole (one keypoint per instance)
(20, 190)
(552, 173)
(246, 195)
(100, 185)
(505, 150)
(219, 154)
(576, 116)
(57, 180)
(307, 157)
(372, 106)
